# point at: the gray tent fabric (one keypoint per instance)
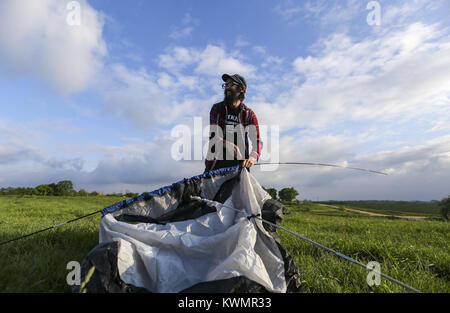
(165, 242)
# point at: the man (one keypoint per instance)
(231, 125)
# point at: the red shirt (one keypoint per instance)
(218, 116)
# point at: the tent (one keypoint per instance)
(167, 242)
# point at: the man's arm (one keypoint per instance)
(253, 132)
(255, 138)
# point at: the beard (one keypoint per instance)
(230, 97)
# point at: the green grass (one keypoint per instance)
(414, 252)
(38, 263)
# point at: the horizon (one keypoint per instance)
(123, 194)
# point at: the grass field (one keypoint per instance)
(414, 252)
(38, 263)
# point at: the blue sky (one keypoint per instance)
(149, 25)
(96, 103)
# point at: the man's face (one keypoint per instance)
(232, 92)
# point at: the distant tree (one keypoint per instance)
(44, 190)
(64, 188)
(287, 194)
(30, 191)
(115, 194)
(53, 189)
(82, 193)
(25, 191)
(272, 192)
(7, 191)
(94, 193)
(444, 204)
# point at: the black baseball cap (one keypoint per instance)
(236, 78)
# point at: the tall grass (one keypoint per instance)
(38, 263)
(415, 252)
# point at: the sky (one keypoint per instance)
(98, 91)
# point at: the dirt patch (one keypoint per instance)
(414, 218)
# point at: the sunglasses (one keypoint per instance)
(229, 84)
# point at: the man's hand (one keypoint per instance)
(249, 162)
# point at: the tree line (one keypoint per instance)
(65, 188)
(285, 194)
(61, 188)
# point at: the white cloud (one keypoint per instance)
(325, 13)
(272, 60)
(19, 156)
(141, 166)
(185, 31)
(36, 40)
(149, 101)
(407, 159)
(24, 146)
(394, 14)
(214, 61)
(260, 49)
(135, 96)
(400, 75)
(415, 173)
(315, 8)
(182, 33)
(341, 13)
(11, 153)
(178, 58)
(211, 61)
(288, 11)
(363, 95)
(241, 42)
